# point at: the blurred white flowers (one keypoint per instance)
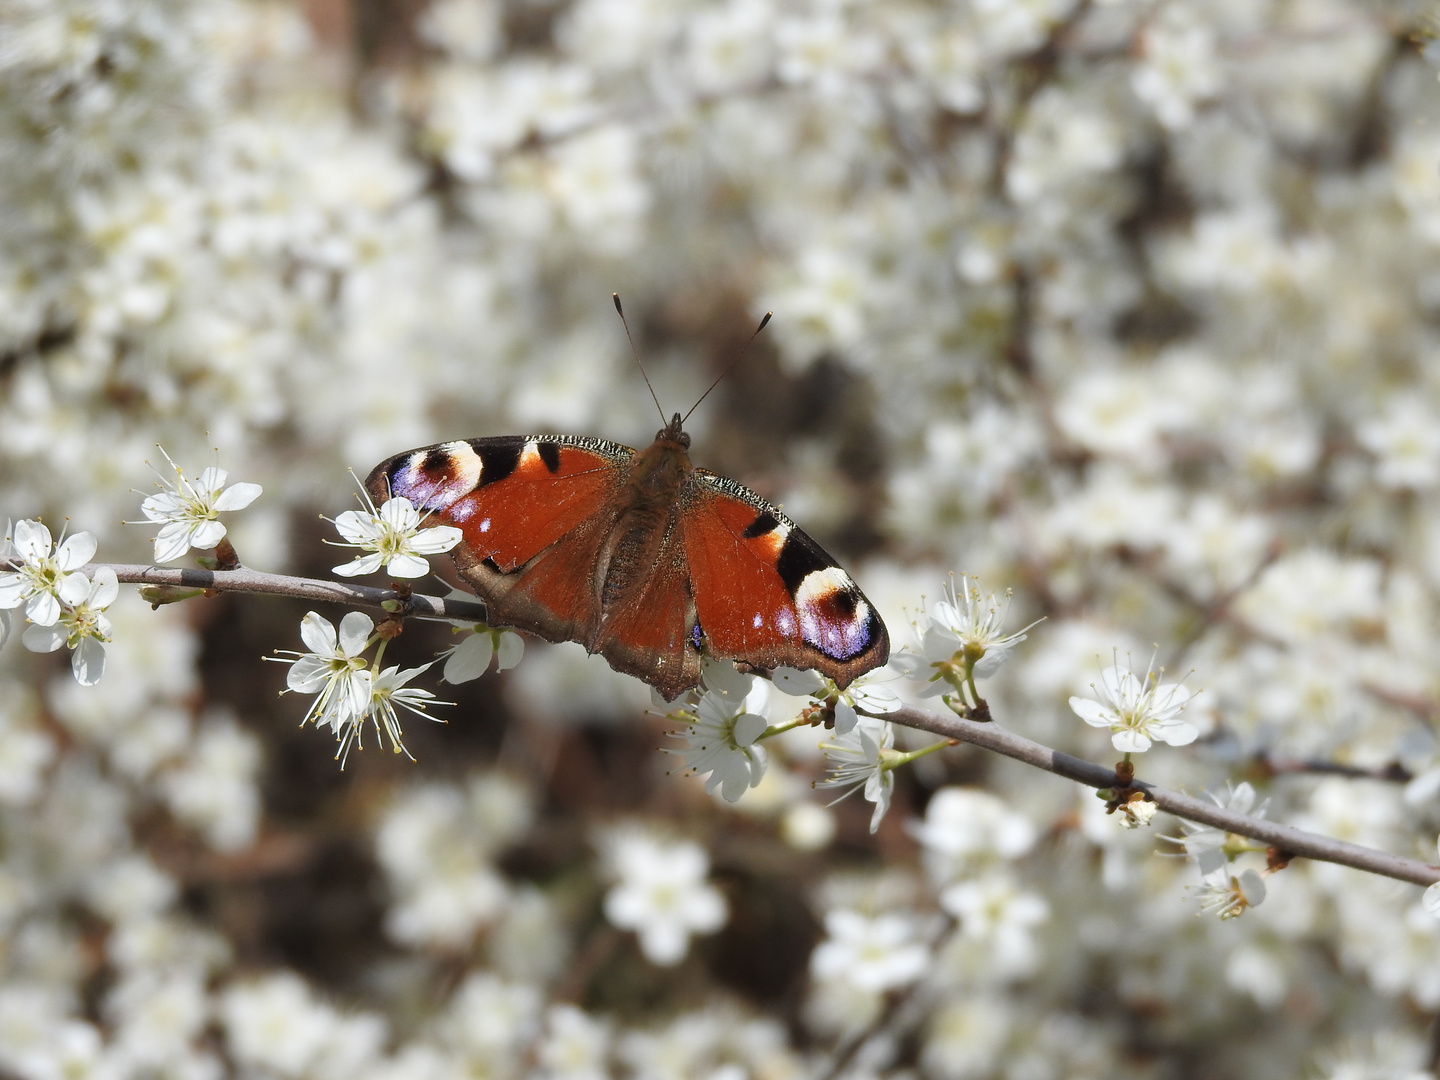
(187, 512)
(660, 893)
(396, 536)
(875, 954)
(1137, 710)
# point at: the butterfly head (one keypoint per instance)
(674, 432)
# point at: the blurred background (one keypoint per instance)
(1132, 307)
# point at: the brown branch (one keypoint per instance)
(245, 580)
(1296, 842)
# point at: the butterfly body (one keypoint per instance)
(637, 555)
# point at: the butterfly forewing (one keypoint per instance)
(511, 496)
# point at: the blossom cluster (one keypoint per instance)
(1129, 306)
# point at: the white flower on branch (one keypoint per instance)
(187, 512)
(333, 669)
(861, 696)
(1228, 895)
(395, 535)
(720, 740)
(471, 658)
(1137, 711)
(36, 581)
(82, 625)
(387, 690)
(1207, 844)
(964, 628)
(858, 760)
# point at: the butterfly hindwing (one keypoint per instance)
(767, 594)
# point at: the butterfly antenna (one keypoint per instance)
(738, 357)
(621, 312)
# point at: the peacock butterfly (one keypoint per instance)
(637, 555)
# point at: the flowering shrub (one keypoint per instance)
(1125, 309)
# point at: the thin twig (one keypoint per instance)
(1293, 841)
(254, 581)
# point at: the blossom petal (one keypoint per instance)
(1431, 900)
(238, 496)
(1175, 732)
(173, 541)
(163, 507)
(748, 727)
(1170, 696)
(1092, 712)
(509, 652)
(87, 662)
(364, 564)
(469, 660)
(318, 633)
(358, 526)
(845, 717)
(12, 589)
(400, 515)
(407, 566)
(43, 608)
(105, 589)
(32, 541)
(44, 638)
(1130, 742)
(212, 479)
(308, 674)
(355, 630)
(207, 534)
(436, 539)
(797, 683)
(76, 551)
(74, 589)
(4, 625)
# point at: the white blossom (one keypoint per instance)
(188, 511)
(471, 658)
(83, 626)
(720, 741)
(1137, 711)
(36, 581)
(334, 670)
(1229, 895)
(395, 536)
(857, 761)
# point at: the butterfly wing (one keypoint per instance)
(534, 512)
(767, 594)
